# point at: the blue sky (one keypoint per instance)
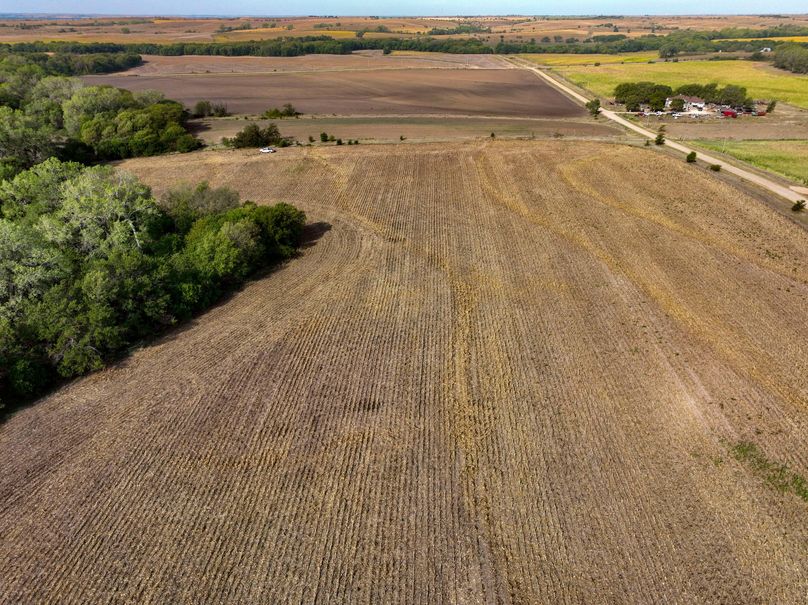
(399, 7)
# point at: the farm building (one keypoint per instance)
(690, 103)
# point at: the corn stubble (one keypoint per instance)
(507, 373)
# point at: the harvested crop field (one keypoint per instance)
(501, 92)
(390, 129)
(517, 372)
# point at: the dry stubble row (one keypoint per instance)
(506, 374)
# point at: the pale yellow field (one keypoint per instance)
(777, 38)
(579, 59)
(760, 79)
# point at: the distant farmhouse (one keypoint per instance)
(688, 103)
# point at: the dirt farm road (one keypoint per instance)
(757, 179)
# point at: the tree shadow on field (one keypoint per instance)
(196, 126)
(312, 233)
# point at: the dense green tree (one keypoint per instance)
(793, 57)
(634, 94)
(157, 128)
(36, 191)
(185, 203)
(46, 99)
(17, 77)
(23, 141)
(94, 103)
(91, 264)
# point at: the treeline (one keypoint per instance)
(67, 64)
(91, 264)
(463, 28)
(670, 45)
(635, 94)
(279, 47)
(792, 57)
(44, 115)
(777, 31)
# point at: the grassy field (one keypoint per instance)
(578, 59)
(761, 80)
(789, 158)
(500, 372)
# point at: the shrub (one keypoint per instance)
(660, 139)
(691, 157)
(287, 111)
(202, 109)
(219, 110)
(715, 167)
(324, 137)
(253, 135)
(798, 206)
(594, 107)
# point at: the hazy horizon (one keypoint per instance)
(409, 8)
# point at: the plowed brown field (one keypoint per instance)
(500, 92)
(510, 372)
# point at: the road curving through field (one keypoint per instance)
(747, 175)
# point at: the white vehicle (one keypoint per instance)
(267, 150)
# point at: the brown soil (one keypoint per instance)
(509, 372)
(501, 92)
(191, 64)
